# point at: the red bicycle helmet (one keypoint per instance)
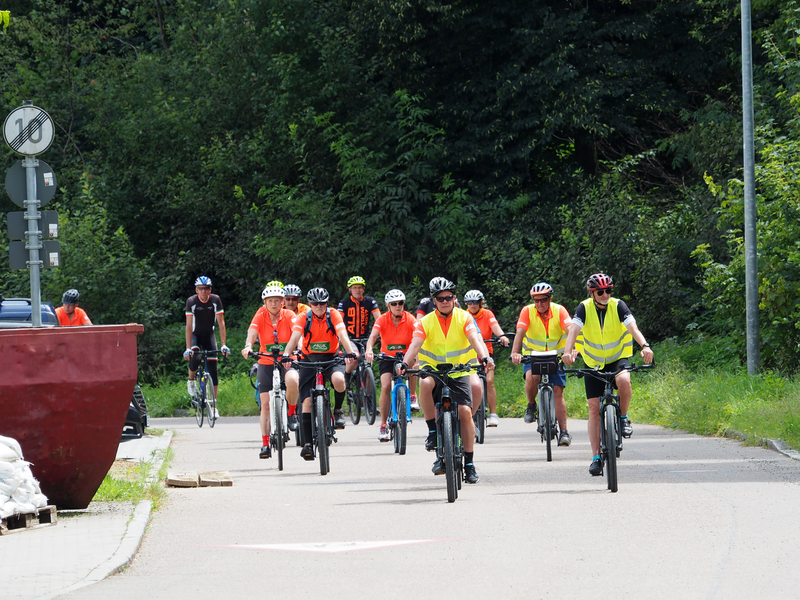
(599, 281)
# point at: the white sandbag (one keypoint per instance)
(39, 500)
(7, 469)
(12, 444)
(22, 508)
(9, 485)
(7, 454)
(8, 509)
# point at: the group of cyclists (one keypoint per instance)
(602, 329)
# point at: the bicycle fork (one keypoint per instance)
(604, 443)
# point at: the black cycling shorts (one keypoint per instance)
(205, 342)
(264, 378)
(460, 390)
(307, 375)
(596, 387)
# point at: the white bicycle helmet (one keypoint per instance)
(394, 296)
(293, 290)
(542, 288)
(473, 296)
(440, 284)
(272, 291)
(318, 295)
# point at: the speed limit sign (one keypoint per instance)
(28, 130)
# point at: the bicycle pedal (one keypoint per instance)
(335, 439)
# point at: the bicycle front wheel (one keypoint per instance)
(480, 416)
(449, 459)
(353, 403)
(611, 447)
(322, 433)
(278, 433)
(402, 421)
(211, 402)
(368, 391)
(199, 402)
(546, 400)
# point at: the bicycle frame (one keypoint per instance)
(545, 364)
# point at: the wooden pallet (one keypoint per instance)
(43, 517)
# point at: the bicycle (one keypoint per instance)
(399, 417)
(254, 382)
(205, 398)
(449, 448)
(610, 418)
(361, 392)
(481, 416)
(322, 423)
(278, 409)
(544, 364)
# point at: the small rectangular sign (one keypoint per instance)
(18, 226)
(49, 254)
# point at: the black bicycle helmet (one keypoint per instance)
(70, 297)
(318, 295)
(440, 284)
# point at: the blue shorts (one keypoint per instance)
(559, 378)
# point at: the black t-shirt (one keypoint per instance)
(426, 305)
(624, 313)
(205, 314)
(356, 314)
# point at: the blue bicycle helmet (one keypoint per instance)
(202, 280)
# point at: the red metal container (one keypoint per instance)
(64, 396)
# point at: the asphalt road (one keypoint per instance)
(694, 518)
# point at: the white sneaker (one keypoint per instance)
(414, 403)
(494, 420)
(383, 434)
(191, 387)
(216, 413)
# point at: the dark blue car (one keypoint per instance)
(16, 312)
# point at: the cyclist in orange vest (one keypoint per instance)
(68, 313)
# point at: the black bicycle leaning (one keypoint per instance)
(545, 364)
(205, 398)
(361, 392)
(449, 447)
(610, 418)
(322, 423)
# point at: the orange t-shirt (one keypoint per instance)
(270, 335)
(485, 319)
(395, 338)
(320, 340)
(79, 317)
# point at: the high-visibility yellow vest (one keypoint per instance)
(602, 345)
(537, 338)
(453, 348)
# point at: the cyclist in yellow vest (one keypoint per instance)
(448, 335)
(543, 326)
(603, 330)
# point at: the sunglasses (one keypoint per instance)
(204, 287)
(473, 302)
(318, 303)
(291, 298)
(603, 292)
(398, 303)
(275, 336)
(541, 300)
(444, 298)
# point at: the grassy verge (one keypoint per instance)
(132, 482)
(236, 397)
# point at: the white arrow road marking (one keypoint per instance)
(331, 547)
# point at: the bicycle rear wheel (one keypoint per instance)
(480, 416)
(278, 433)
(611, 447)
(199, 402)
(368, 391)
(353, 403)
(449, 460)
(545, 399)
(402, 421)
(211, 401)
(322, 433)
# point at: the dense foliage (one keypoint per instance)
(495, 143)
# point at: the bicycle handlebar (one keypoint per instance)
(607, 375)
(443, 370)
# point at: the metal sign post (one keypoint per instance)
(29, 131)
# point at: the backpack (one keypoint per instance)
(310, 316)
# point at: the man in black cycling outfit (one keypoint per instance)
(356, 310)
(203, 311)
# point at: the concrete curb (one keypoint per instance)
(773, 444)
(130, 542)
